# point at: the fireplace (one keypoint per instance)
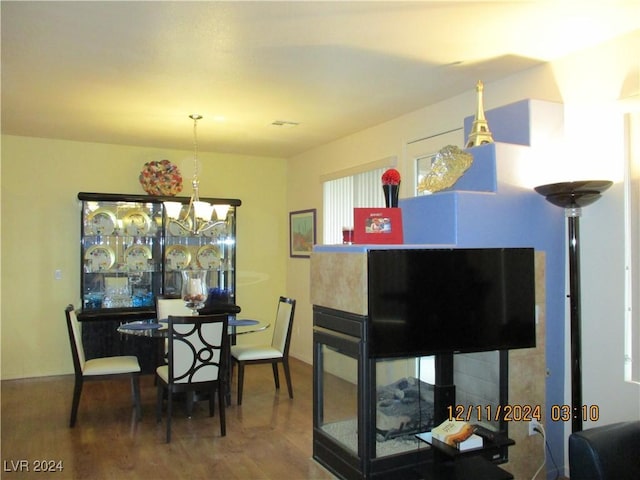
(367, 411)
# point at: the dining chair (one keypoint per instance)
(98, 368)
(198, 348)
(276, 352)
(166, 306)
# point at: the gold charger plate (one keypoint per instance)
(177, 257)
(136, 223)
(101, 222)
(100, 258)
(208, 257)
(177, 230)
(136, 257)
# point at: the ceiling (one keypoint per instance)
(131, 72)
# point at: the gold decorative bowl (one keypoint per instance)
(447, 166)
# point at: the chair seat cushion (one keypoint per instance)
(163, 372)
(254, 352)
(111, 365)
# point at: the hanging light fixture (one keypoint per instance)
(197, 218)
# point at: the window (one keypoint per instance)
(420, 153)
(346, 190)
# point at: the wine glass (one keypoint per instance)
(194, 289)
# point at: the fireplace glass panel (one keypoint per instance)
(404, 403)
(477, 379)
(340, 399)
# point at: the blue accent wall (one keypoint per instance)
(482, 211)
(508, 124)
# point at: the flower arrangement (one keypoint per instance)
(161, 178)
(391, 177)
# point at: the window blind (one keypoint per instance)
(342, 195)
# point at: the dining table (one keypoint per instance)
(157, 329)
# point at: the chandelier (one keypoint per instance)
(197, 218)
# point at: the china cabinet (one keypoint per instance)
(131, 252)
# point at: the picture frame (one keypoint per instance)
(302, 233)
(377, 226)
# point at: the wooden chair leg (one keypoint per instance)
(189, 400)
(229, 380)
(212, 402)
(77, 392)
(240, 381)
(287, 374)
(135, 389)
(169, 413)
(276, 376)
(221, 407)
(159, 398)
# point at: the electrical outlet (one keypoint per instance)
(532, 426)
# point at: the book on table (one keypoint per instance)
(457, 434)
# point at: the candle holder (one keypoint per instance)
(194, 289)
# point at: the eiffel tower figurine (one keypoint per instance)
(480, 133)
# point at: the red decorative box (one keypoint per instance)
(377, 226)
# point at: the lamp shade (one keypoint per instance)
(173, 209)
(221, 211)
(574, 194)
(203, 210)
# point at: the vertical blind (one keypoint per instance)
(342, 195)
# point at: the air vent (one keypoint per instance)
(284, 124)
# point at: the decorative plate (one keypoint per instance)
(177, 230)
(177, 257)
(136, 223)
(100, 258)
(208, 257)
(101, 222)
(161, 178)
(136, 257)
(219, 229)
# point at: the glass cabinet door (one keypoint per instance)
(121, 252)
(212, 250)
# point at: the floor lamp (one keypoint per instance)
(572, 196)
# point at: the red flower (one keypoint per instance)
(391, 177)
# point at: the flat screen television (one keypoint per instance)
(428, 301)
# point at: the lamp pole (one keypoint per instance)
(572, 196)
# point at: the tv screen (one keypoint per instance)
(423, 302)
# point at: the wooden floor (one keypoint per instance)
(268, 437)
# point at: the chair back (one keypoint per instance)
(284, 322)
(75, 339)
(166, 306)
(198, 348)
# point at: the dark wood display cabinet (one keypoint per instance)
(131, 252)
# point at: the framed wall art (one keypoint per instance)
(302, 233)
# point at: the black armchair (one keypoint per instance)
(609, 452)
